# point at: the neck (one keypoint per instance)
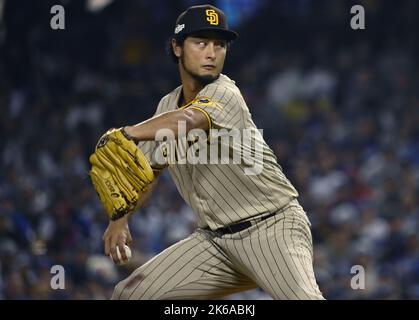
(190, 86)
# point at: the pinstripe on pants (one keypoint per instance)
(274, 254)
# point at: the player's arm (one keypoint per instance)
(117, 232)
(194, 118)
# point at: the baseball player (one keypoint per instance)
(252, 232)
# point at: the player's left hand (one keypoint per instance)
(120, 173)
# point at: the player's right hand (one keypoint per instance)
(117, 233)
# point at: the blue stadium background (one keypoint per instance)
(339, 107)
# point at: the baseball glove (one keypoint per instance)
(120, 173)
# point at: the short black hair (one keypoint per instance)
(169, 48)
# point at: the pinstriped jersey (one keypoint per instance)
(234, 175)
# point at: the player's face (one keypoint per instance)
(203, 56)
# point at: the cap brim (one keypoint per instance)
(229, 35)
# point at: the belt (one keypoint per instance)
(237, 227)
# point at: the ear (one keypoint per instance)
(177, 50)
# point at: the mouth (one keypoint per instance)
(208, 67)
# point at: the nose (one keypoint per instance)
(210, 51)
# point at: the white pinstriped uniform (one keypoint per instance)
(274, 253)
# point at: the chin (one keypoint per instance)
(207, 78)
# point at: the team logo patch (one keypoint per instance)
(212, 16)
(204, 101)
(207, 102)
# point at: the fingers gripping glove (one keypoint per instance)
(120, 173)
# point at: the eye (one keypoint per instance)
(201, 44)
(220, 44)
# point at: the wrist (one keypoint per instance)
(121, 220)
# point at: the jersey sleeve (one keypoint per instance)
(153, 150)
(223, 107)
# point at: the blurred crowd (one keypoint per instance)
(339, 107)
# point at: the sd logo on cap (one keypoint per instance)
(201, 18)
